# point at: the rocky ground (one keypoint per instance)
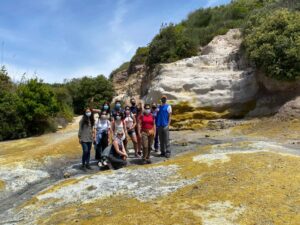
(235, 172)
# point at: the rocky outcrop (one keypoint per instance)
(127, 85)
(218, 79)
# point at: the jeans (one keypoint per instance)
(86, 152)
(103, 143)
(156, 139)
(116, 161)
(163, 133)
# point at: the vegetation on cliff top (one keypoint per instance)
(175, 42)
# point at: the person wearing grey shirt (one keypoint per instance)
(86, 137)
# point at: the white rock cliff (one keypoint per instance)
(216, 79)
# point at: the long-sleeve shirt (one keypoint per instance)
(85, 132)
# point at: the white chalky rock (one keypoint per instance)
(215, 79)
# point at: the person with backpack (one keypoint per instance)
(147, 130)
(103, 134)
(117, 157)
(163, 122)
(86, 135)
(130, 124)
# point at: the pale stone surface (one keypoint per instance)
(216, 79)
(220, 213)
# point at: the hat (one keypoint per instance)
(164, 96)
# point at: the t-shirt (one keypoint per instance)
(163, 115)
(147, 121)
(133, 110)
(128, 121)
(102, 125)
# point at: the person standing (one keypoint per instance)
(103, 133)
(130, 124)
(154, 111)
(163, 122)
(86, 135)
(147, 130)
(117, 109)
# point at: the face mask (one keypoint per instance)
(127, 112)
(163, 100)
(105, 107)
(88, 114)
(118, 117)
(103, 117)
(147, 111)
(118, 106)
(132, 103)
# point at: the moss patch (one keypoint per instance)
(2, 185)
(265, 185)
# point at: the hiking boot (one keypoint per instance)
(88, 167)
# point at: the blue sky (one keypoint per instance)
(57, 39)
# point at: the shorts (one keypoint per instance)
(131, 133)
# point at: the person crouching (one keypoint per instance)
(118, 156)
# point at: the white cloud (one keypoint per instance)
(119, 15)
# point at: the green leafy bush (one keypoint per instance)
(89, 91)
(170, 44)
(272, 41)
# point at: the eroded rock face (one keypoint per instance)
(217, 79)
(128, 85)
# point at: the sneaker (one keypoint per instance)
(168, 155)
(104, 163)
(88, 167)
(100, 164)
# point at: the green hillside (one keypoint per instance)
(178, 41)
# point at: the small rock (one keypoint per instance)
(67, 175)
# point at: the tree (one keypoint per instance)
(272, 42)
(89, 91)
(39, 106)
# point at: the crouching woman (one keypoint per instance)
(118, 156)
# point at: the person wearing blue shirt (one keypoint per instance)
(163, 122)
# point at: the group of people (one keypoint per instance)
(145, 126)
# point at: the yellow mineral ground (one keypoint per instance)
(269, 128)
(2, 185)
(21, 152)
(251, 188)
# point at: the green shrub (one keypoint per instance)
(169, 45)
(88, 91)
(272, 42)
